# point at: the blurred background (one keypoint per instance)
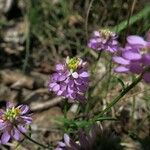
(36, 34)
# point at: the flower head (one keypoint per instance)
(13, 121)
(103, 39)
(70, 79)
(96, 139)
(135, 57)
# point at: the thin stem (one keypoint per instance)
(32, 140)
(90, 89)
(27, 39)
(143, 13)
(87, 18)
(102, 77)
(128, 19)
(109, 77)
(126, 90)
(65, 109)
(87, 115)
(96, 63)
(99, 56)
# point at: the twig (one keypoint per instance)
(32, 140)
(45, 105)
(27, 40)
(129, 16)
(126, 90)
(87, 18)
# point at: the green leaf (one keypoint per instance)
(145, 12)
(105, 118)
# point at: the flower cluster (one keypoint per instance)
(70, 79)
(67, 144)
(103, 39)
(135, 57)
(13, 121)
(95, 140)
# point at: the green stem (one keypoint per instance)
(109, 77)
(99, 56)
(87, 18)
(32, 140)
(126, 90)
(96, 62)
(65, 109)
(93, 73)
(27, 39)
(143, 13)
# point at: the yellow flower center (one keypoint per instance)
(11, 113)
(105, 33)
(72, 63)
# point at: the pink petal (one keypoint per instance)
(56, 87)
(70, 90)
(21, 128)
(96, 33)
(121, 60)
(3, 125)
(146, 59)
(26, 119)
(61, 144)
(67, 139)
(59, 92)
(121, 69)
(5, 137)
(51, 85)
(75, 75)
(59, 67)
(24, 109)
(78, 81)
(62, 77)
(131, 55)
(84, 74)
(9, 105)
(72, 95)
(15, 134)
(136, 40)
(57, 148)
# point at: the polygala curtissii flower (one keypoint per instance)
(104, 40)
(96, 139)
(135, 57)
(13, 121)
(70, 79)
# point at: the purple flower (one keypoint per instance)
(135, 57)
(85, 142)
(13, 121)
(67, 144)
(96, 139)
(103, 39)
(70, 79)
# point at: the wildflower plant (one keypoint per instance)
(135, 57)
(70, 79)
(13, 122)
(96, 139)
(103, 40)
